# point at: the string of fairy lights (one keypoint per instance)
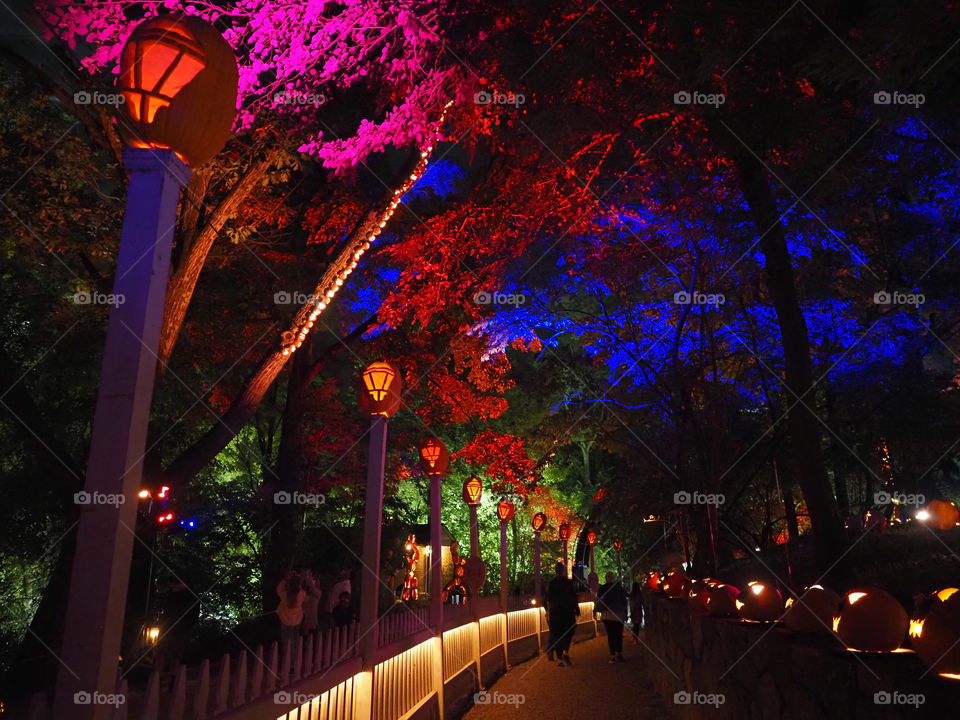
(341, 269)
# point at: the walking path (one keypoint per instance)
(591, 688)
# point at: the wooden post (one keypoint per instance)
(436, 558)
(537, 588)
(503, 567)
(96, 601)
(373, 517)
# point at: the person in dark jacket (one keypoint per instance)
(636, 611)
(611, 605)
(562, 611)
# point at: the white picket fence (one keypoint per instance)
(321, 676)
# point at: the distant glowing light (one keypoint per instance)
(922, 515)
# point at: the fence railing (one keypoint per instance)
(322, 676)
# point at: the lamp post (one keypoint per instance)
(434, 460)
(539, 521)
(180, 127)
(379, 398)
(475, 573)
(593, 582)
(505, 511)
(564, 533)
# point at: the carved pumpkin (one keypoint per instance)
(760, 602)
(936, 636)
(178, 77)
(652, 581)
(699, 595)
(871, 620)
(943, 514)
(722, 600)
(676, 584)
(813, 611)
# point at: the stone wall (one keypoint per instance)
(761, 671)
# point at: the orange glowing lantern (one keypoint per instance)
(617, 545)
(380, 389)
(564, 531)
(943, 514)
(813, 611)
(178, 77)
(434, 458)
(472, 490)
(539, 522)
(505, 511)
(592, 536)
(871, 620)
(760, 602)
(936, 636)
(722, 600)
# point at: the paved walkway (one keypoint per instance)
(591, 688)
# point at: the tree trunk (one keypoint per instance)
(284, 520)
(802, 425)
(193, 254)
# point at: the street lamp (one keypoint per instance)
(167, 66)
(379, 397)
(564, 533)
(539, 522)
(434, 460)
(505, 511)
(475, 573)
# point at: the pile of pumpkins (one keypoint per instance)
(866, 619)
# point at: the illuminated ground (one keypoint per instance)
(591, 688)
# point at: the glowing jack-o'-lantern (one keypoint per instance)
(676, 584)
(942, 514)
(178, 77)
(936, 636)
(472, 491)
(871, 620)
(592, 536)
(505, 511)
(813, 611)
(760, 602)
(539, 522)
(722, 600)
(380, 387)
(434, 458)
(698, 595)
(652, 581)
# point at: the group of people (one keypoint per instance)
(611, 604)
(299, 608)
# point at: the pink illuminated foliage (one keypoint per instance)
(295, 57)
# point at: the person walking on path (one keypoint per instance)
(311, 604)
(290, 610)
(612, 607)
(342, 585)
(636, 611)
(562, 611)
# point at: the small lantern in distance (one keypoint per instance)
(592, 536)
(434, 458)
(380, 387)
(617, 545)
(564, 531)
(539, 522)
(472, 490)
(505, 511)
(179, 80)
